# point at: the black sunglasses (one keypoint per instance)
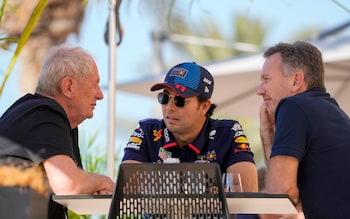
(163, 98)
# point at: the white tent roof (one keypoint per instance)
(236, 80)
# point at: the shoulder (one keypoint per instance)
(35, 101)
(226, 123)
(295, 112)
(309, 97)
(295, 100)
(35, 106)
(150, 123)
(297, 104)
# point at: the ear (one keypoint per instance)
(205, 107)
(67, 86)
(298, 81)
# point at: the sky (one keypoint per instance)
(283, 18)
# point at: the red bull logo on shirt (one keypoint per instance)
(242, 147)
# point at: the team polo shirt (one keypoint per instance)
(311, 127)
(220, 141)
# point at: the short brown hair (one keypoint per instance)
(301, 56)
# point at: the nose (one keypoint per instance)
(99, 94)
(260, 90)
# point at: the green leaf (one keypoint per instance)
(24, 38)
(2, 9)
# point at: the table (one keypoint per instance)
(259, 203)
(237, 202)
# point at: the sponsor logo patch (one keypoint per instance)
(211, 155)
(237, 127)
(241, 139)
(132, 145)
(206, 80)
(135, 140)
(166, 135)
(164, 154)
(157, 134)
(179, 72)
(242, 148)
(212, 134)
(238, 133)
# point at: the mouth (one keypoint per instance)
(266, 99)
(170, 118)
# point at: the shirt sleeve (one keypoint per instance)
(239, 147)
(291, 131)
(136, 148)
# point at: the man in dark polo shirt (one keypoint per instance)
(45, 124)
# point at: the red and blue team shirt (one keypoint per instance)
(220, 141)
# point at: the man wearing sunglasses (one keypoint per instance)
(187, 132)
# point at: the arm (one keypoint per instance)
(131, 161)
(282, 177)
(66, 178)
(281, 169)
(267, 131)
(138, 149)
(248, 174)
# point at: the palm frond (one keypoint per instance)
(23, 39)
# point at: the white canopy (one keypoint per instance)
(236, 80)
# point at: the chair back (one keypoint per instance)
(169, 191)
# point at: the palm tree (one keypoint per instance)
(59, 19)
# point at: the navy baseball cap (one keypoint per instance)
(188, 80)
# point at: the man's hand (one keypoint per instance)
(267, 131)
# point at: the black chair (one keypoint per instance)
(169, 191)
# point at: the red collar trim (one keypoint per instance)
(173, 144)
(194, 148)
(170, 145)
